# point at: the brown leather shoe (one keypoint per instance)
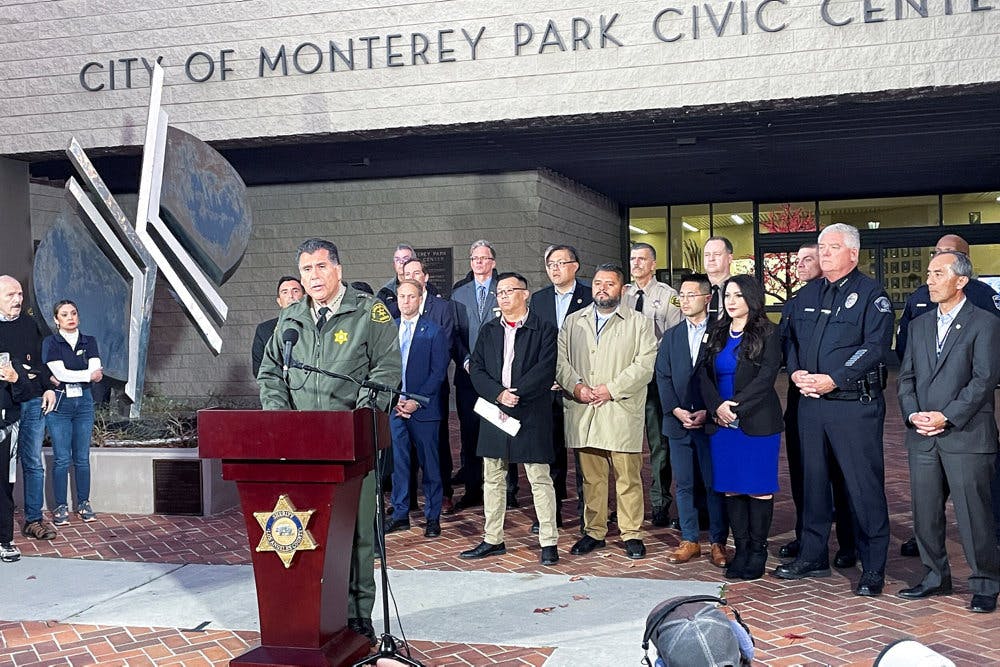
(720, 556)
(685, 552)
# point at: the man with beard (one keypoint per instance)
(606, 355)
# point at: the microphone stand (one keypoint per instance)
(388, 645)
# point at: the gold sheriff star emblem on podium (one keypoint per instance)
(285, 530)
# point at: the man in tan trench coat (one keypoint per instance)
(606, 356)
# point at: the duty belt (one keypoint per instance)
(864, 396)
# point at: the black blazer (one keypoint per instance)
(759, 409)
(543, 302)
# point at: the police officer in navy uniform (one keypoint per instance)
(839, 333)
(980, 295)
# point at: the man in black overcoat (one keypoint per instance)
(512, 368)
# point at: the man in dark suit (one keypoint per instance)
(423, 347)
(475, 302)
(946, 392)
(552, 304)
(684, 418)
(513, 368)
(289, 291)
(435, 308)
(979, 294)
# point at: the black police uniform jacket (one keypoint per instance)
(977, 292)
(533, 372)
(858, 334)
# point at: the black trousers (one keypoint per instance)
(850, 432)
(844, 520)
(8, 435)
(468, 422)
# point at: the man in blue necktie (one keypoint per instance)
(423, 350)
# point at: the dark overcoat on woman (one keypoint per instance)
(532, 373)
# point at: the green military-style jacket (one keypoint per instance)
(359, 340)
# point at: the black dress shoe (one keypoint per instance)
(635, 549)
(870, 584)
(432, 529)
(485, 549)
(983, 604)
(922, 591)
(535, 527)
(394, 525)
(465, 503)
(675, 524)
(661, 518)
(362, 626)
(909, 548)
(550, 555)
(845, 559)
(512, 503)
(586, 544)
(790, 550)
(800, 569)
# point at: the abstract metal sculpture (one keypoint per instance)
(192, 224)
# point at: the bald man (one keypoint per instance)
(980, 295)
(977, 292)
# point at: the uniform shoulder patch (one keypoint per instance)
(380, 313)
(996, 301)
(675, 301)
(883, 305)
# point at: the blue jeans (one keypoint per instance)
(685, 454)
(29, 450)
(71, 427)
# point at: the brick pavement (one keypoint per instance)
(817, 621)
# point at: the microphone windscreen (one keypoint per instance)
(290, 336)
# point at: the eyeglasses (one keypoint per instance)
(483, 258)
(688, 297)
(510, 292)
(401, 260)
(559, 264)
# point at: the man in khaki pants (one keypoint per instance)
(606, 356)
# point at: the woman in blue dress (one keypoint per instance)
(737, 369)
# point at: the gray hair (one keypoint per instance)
(483, 243)
(309, 246)
(962, 266)
(644, 246)
(404, 246)
(852, 239)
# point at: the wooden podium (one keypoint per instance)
(299, 478)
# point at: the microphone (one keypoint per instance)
(290, 337)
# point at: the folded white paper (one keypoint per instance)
(492, 413)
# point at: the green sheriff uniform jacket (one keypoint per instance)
(359, 340)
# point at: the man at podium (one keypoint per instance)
(352, 333)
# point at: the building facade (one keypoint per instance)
(437, 123)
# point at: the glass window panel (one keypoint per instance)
(734, 221)
(649, 225)
(972, 209)
(788, 217)
(780, 281)
(903, 271)
(881, 213)
(689, 227)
